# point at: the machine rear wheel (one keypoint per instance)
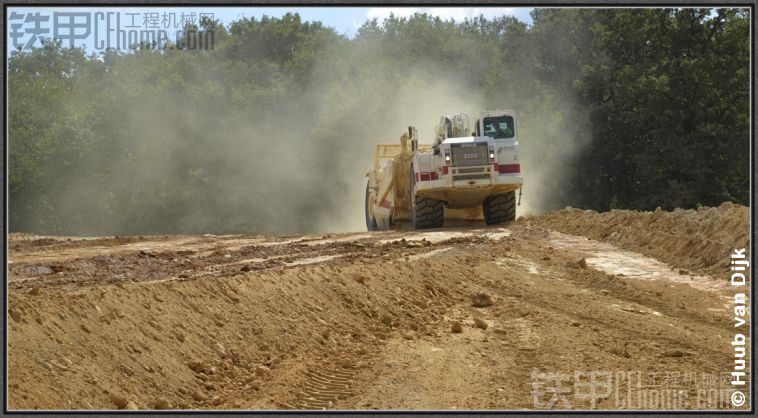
(370, 221)
(500, 208)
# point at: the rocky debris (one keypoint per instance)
(220, 350)
(409, 335)
(582, 263)
(36, 291)
(683, 272)
(456, 327)
(481, 300)
(85, 329)
(199, 396)
(119, 401)
(15, 315)
(575, 323)
(196, 366)
(325, 333)
(262, 371)
(161, 404)
(131, 406)
(39, 270)
(479, 323)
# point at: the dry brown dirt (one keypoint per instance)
(699, 240)
(366, 320)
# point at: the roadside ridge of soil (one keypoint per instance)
(697, 239)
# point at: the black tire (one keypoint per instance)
(370, 221)
(427, 213)
(500, 208)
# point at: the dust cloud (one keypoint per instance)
(548, 138)
(292, 165)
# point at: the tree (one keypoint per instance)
(272, 129)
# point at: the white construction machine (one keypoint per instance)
(465, 174)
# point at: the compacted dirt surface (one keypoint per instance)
(570, 310)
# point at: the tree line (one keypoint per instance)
(273, 129)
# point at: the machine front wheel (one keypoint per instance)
(500, 208)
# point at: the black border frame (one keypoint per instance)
(368, 3)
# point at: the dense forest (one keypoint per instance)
(274, 128)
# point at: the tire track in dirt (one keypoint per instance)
(323, 387)
(362, 321)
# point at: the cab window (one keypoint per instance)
(499, 127)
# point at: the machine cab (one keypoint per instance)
(496, 125)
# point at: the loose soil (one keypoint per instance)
(366, 320)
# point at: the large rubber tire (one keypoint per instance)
(370, 221)
(427, 213)
(500, 208)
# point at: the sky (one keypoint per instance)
(345, 20)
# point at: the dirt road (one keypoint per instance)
(565, 317)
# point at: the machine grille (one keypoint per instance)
(469, 154)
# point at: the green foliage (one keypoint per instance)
(262, 133)
(670, 109)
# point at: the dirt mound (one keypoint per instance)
(353, 321)
(187, 328)
(700, 240)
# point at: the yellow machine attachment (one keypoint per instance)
(398, 188)
(468, 214)
(393, 182)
